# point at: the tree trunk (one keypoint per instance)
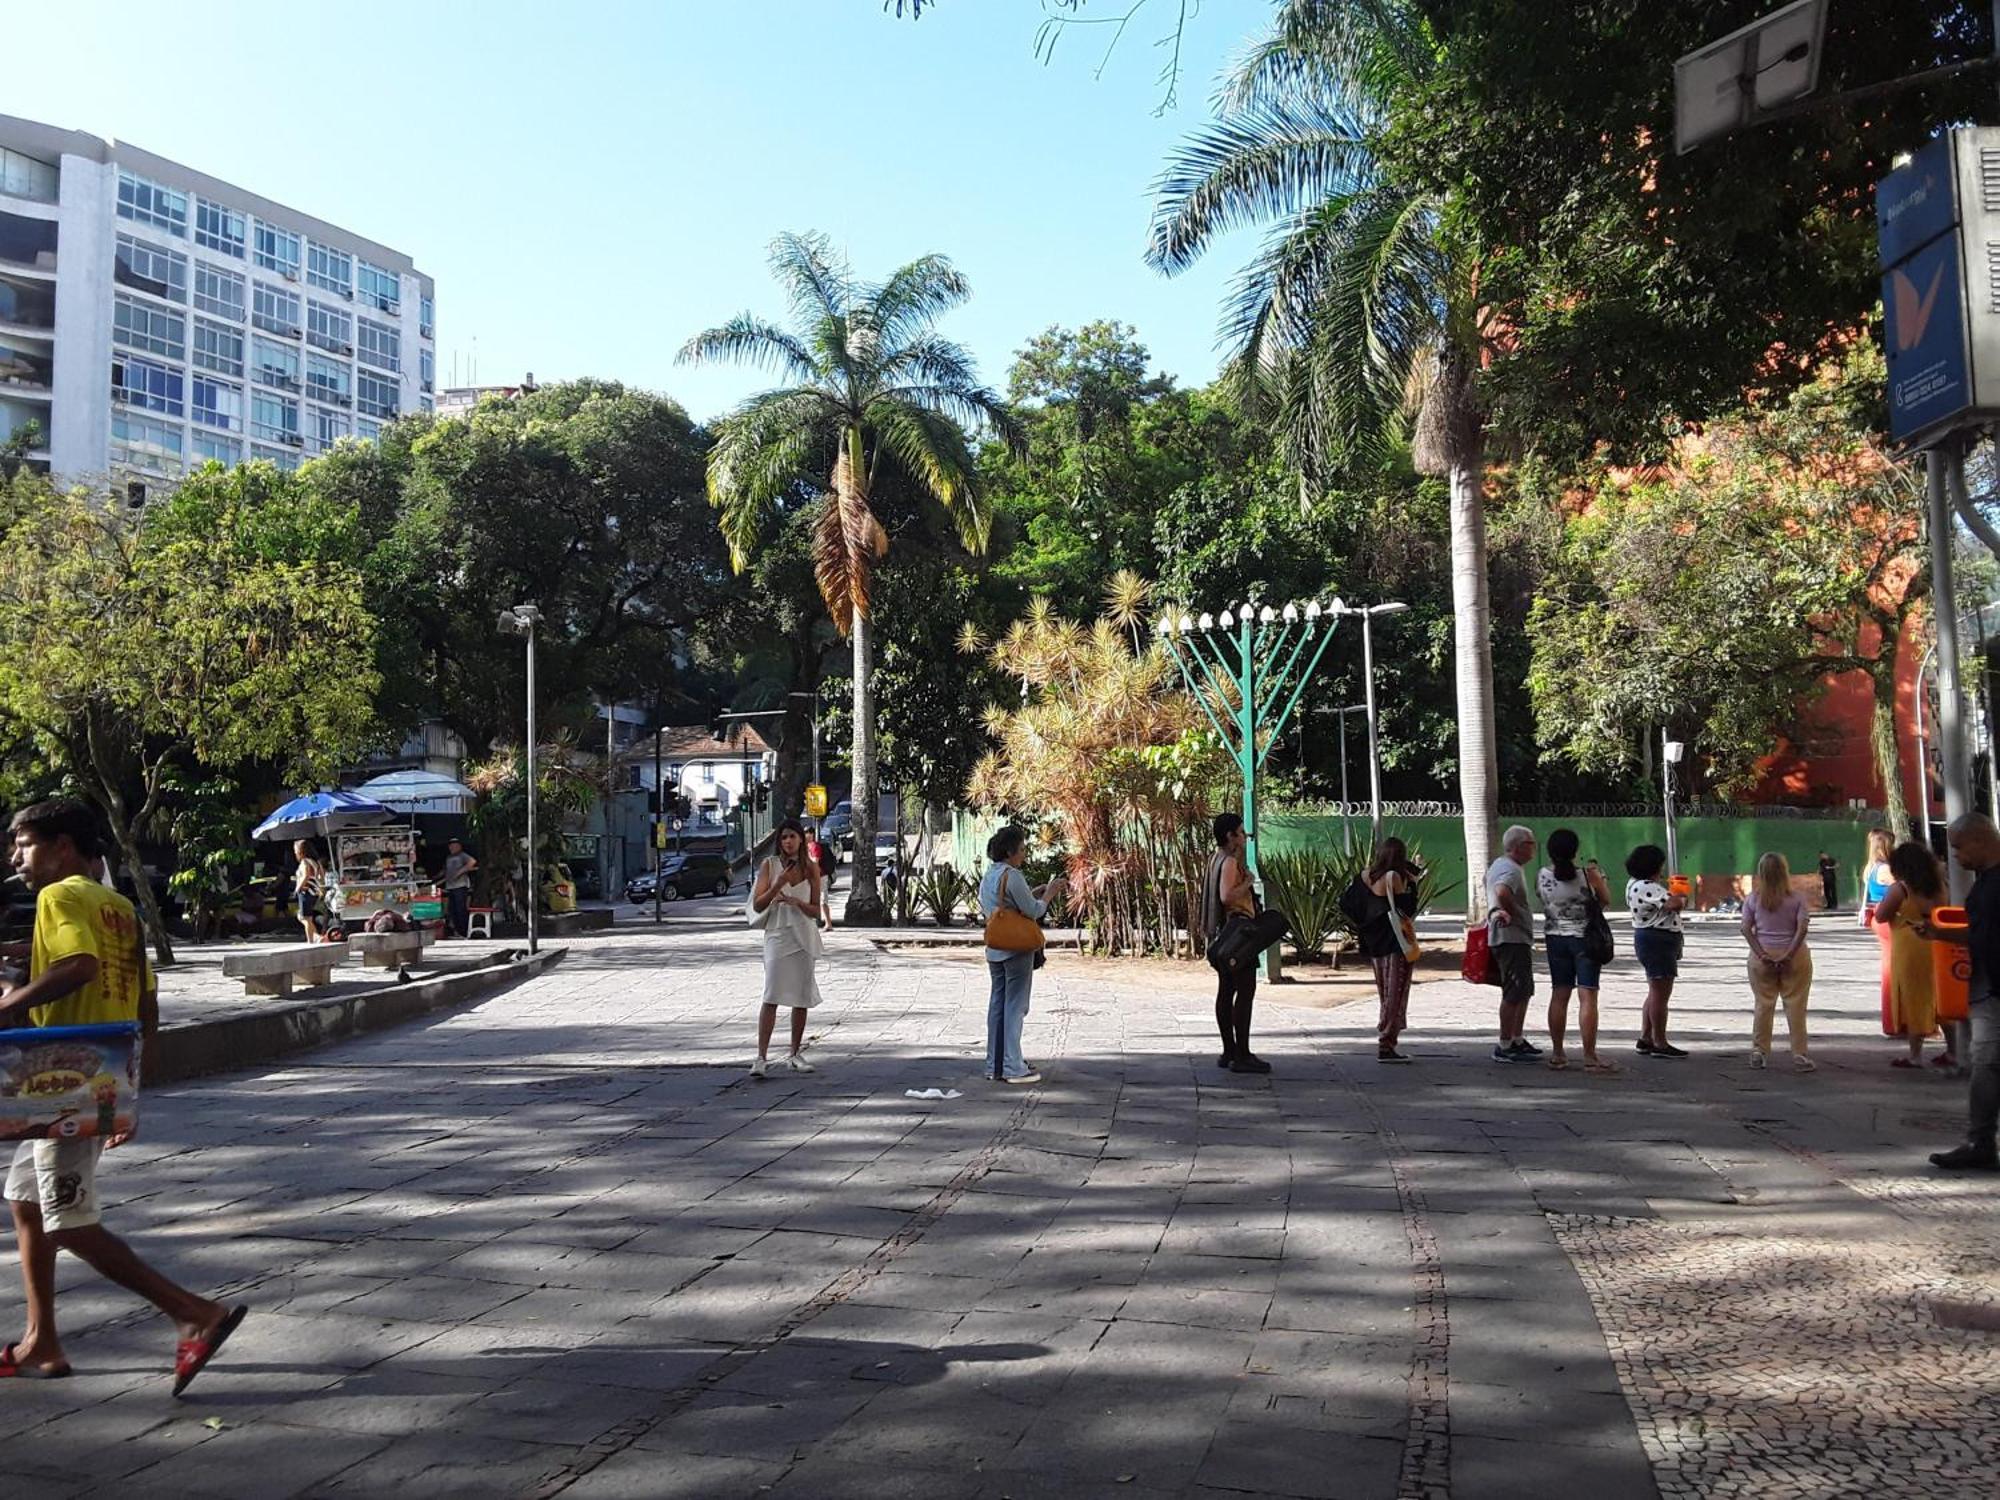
(109, 794)
(1882, 741)
(142, 890)
(1478, 750)
(864, 900)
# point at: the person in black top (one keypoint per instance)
(1829, 890)
(1227, 892)
(1392, 880)
(1976, 843)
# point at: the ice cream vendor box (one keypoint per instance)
(69, 1081)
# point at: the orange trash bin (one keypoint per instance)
(1951, 966)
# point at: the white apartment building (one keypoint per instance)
(153, 318)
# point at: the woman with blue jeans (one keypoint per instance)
(1013, 974)
(1565, 891)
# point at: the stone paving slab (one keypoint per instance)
(557, 1243)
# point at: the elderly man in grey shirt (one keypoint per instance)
(458, 868)
(1510, 929)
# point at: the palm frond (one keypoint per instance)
(817, 282)
(751, 340)
(914, 297)
(848, 541)
(760, 450)
(932, 450)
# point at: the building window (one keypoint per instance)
(146, 202)
(144, 442)
(425, 404)
(218, 290)
(275, 311)
(146, 386)
(374, 396)
(327, 428)
(162, 273)
(218, 228)
(151, 330)
(275, 364)
(329, 381)
(282, 458)
(379, 344)
(426, 369)
(225, 451)
(427, 318)
(217, 404)
(216, 348)
(366, 430)
(330, 268)
(278, 250)
(273, 417)
(27, 176)
(380, 289)
(330, 327)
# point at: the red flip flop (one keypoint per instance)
(11, 1368)
(191, 1356)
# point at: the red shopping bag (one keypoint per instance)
(1478, 965)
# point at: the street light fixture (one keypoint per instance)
(1671, 752)
(1367, 614)
(521, 620)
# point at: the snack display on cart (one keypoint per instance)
(69, 1081)
(375, 869)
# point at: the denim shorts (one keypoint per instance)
(1658, 950)
(1570, 966)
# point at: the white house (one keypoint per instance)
(711, 773)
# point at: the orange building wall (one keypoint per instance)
(1826, 761)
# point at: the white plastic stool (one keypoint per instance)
(479, 921)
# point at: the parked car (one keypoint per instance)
(695, 873)
(837, 827)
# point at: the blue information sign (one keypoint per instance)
(1917, 203)
(1924, 325)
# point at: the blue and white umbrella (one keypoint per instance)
(419, 792)
(323, 813)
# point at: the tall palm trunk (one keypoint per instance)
(1882, 739)
(1472, 610)
(864, 900)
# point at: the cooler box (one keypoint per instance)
(1951, 966)
(67, 1082)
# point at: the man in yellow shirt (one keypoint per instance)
(87, 966)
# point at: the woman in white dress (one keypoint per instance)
(785, 901)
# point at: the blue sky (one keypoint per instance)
(591, 183)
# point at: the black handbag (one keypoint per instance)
(1597, 941)
(1243, 939)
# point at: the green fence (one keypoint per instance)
(1714, 847)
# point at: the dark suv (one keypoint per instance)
(691, 874)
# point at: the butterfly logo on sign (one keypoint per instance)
(1913, 312)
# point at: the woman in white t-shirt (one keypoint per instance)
(1656, 942)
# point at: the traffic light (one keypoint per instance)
(653, 802)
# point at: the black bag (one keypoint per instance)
(1597, 942)
(1361, 905)
(1243, 939)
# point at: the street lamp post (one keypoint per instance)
(521, 620)
(1368, 613)
(1248, 671)
(1670, 756)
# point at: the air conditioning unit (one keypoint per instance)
(348, 293)
(291, 275)
(298, 333)
(295, 440)
(346, 348)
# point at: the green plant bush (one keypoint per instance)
(941, 892)
(1307, 885)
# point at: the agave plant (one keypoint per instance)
(941, 892)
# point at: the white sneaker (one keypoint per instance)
(799, 1065)
(759, 1068)
(1802, 1064)
(1757, 1059)
(1025, 1078)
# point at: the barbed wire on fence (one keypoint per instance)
(1543, 811)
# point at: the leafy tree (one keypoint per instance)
(1785, 547)
(215, 632)
(1642, 290)
(584, 498)
(1361, 320)
(16, 446)
(871, 387)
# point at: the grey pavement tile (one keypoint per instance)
(490, 1352)
(897, 1288)
(662, 1474)
(1543, 1414)
(258, 1461)
(827, 1479)
(750, 1425)
(386, 1400)
(1267, 1458)
(435, 1299)
(444, 1466)
(1174, 1303)
(1495, 1469)
(534, 1410)
(629, 1359)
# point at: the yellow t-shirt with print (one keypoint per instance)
(75, 916)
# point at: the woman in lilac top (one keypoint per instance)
(1774, 925)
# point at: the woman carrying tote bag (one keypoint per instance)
(1013, 913)
(785, 902)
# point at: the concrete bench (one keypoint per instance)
(388, 950)
(271, 972)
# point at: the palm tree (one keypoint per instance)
(869, 386)
(1360, 319)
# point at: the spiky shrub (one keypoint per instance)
(941, 893)
(1111, 760)
(1306, 887)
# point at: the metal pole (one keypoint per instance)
(1374, 751)
(534, 850)
(659, 811)
(1923, 752)
(1667, 803)
(1943, 469)
(1341, 714)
